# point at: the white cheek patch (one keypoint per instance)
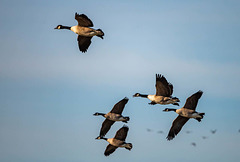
(59, 27)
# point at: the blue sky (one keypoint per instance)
(49, 90)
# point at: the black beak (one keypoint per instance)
(56, 28)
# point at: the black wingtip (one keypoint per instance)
(169, 138)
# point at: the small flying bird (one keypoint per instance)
(149, 130)
(160, 132)
(163, 95)
(117, 141)
(188, 132)
(185, 113)
(239, 130)
(213, 131)
(204, 137)
(194, 144)
(84, 32)
(114, 115)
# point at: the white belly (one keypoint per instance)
(114, 117)
(83, 31)
(188, 113)
(151, 97)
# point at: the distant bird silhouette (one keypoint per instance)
(204, 137)
(114, 115)
(85, 33)
(160, 132)
(185, 113)
(239, 130)
(149, 130)
(163, 95)
(213, 131)
(188, 132)
(117, 141)
(194, 144)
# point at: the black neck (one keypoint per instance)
(104, 138)
(101, 114)
(66, 27)
(169, 109)
(143, 95)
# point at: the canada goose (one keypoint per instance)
(114, 115)
(163, 95)
(160, 132)
(194, 144)
(117, 141)
(213, 131)
(185, 113)
(149, 130)
(204, 137)
(188, 132)
(85, 33)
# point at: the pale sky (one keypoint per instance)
(49, 89)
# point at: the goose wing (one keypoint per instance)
(176, 126)
(171, 88)
(118, 107)
(84, 43)
(192, 101)
(162, 86)
(83, 20)
(106, 125)
(110, 149)
(122, 133)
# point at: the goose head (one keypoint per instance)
(58, 27)
(96, 114)
(100, 137)
(136, 95)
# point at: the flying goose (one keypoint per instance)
(117, 141)
(185, 113)
(160, 132)
(204, 137)
(188, 132)
(85, 33)
(163, 95)
(194, 144)
(149, 130)
(213, 131)
(114, 115)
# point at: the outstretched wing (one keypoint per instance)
(118, 107)
(83, 20)
(122, 133)
(192, 101)
(106, 125)
(176, 126)
(84, 43)
(171, 88)
(110, 149)
(162, 86)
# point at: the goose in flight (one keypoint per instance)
(204, 137)
(213, 131)
(163, 95)
(185, 113)
(160, 132)
(117, 141)
(84, 32)
(194, 144)
(114, 115)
